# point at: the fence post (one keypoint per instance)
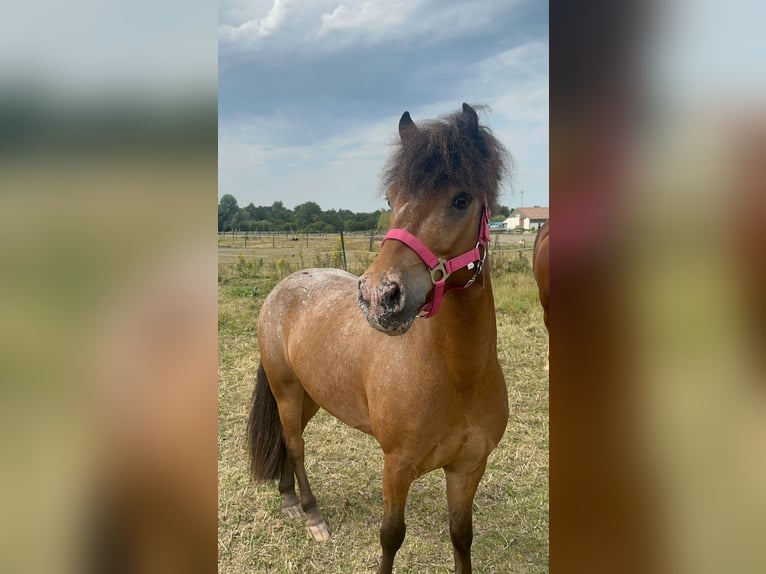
(371, 239)
(343, 250)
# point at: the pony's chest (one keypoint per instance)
(445, 423)
(461, 450)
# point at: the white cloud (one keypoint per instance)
(258, 27)
(513, 83)
(324, 26)
(369, 15)
(523, 77)
(529, 59)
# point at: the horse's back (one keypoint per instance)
(311, 332)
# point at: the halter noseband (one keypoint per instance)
(441, 269)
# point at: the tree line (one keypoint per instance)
(306, 217)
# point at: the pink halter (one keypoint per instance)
(441, 269)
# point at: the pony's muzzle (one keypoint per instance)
(383, 304)
(382, 299)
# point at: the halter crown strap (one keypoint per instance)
(441, 269)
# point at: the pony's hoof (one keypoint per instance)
(319, 532)
(294, 511)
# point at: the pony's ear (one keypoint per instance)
(470, 121)
(406, 126)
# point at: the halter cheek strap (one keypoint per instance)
(441, 269)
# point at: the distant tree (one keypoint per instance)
(350, 224)
(255, 213)
(360, 221)
(355, 223)
(333, 219)
(280, 214)
(306, 213)
(227, 211)
(373, 219)
(261, 225)
(505, 211)
(260, 213)
(241, 220)
(384, 221)
(345, 214)
(320, 227)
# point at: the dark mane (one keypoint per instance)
(453, 150)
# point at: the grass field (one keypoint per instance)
(345, 465)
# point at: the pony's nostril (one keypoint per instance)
(393, 296)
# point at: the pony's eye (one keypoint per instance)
(460, 201)
(388, 201)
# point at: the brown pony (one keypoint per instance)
(430, 390)
(541, 266)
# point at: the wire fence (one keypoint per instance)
(230, 241)
(279, 253)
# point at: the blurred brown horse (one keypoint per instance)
(541, 265)
(430, 391)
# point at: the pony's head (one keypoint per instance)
(438, 183)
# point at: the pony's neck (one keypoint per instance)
(465, 325)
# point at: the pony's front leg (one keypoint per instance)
(397, 479)
(461, 488)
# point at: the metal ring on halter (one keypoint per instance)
(439, 268)
(477, 266)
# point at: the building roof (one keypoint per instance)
(531, 212)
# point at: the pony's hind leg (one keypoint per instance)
(316, 525)
(291, 504)
(294, 466)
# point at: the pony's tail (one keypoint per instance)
(265, 442)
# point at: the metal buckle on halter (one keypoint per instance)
(440, 268)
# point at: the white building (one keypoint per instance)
(526, 218)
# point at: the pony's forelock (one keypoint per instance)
(445, 153)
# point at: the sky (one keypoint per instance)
(310, 91)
